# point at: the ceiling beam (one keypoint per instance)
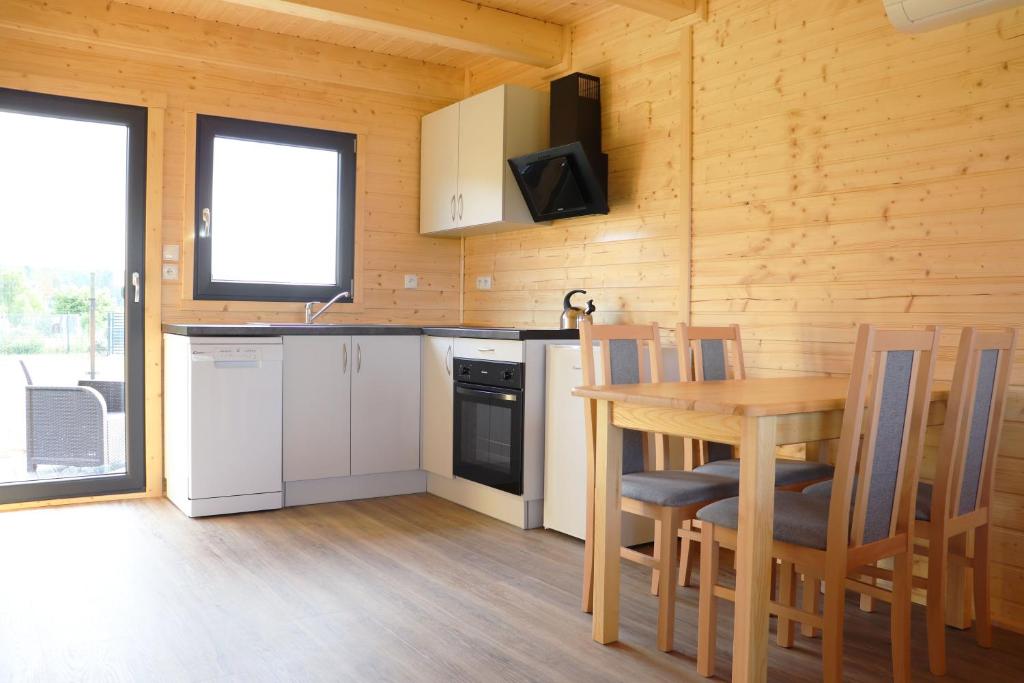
(666, 9)
(454, 24)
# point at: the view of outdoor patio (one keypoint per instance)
(62, 330)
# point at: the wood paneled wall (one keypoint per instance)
(93, 48)
(630, 261)
(847, 173)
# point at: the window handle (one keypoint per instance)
(205, 230)
(135, 285)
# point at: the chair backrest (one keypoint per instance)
(704, 355)
(887, 402)
(28, 377)
(974, 417)
(622, 361)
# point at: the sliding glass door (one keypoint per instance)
(72, 216)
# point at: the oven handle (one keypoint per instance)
(489, 394)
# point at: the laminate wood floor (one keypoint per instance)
(410, 588)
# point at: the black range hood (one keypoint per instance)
(571, 177)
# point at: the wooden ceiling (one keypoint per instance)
(450, 32)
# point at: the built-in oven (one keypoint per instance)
(488, 444)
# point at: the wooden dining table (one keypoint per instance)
(756, 416)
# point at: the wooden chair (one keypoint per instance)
(835, 538)
(648, 489)
(959, 500)
(704, 355)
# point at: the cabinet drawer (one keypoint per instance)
(489, 349)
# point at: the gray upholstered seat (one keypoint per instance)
(923, 510)
(677, 488)
(799, 519)
(787, 472)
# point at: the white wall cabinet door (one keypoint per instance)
(436, 418)
(439, 169)
(385, 404)
(481, 158)
(317, 401)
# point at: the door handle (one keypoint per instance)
(359, 357)
(344, 358)
(448, 361)
(135, 285)
(460, 206)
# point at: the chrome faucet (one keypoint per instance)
(311, 316)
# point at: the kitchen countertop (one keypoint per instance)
(281, 329)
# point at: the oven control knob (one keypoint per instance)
(507, 374)
(463, 370)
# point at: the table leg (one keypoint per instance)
(754, 549)
(607, 526)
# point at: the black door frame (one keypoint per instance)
(135, 119)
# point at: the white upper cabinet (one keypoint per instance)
(439, 169)
(466, 186)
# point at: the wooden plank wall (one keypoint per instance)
(107, 50)
(847, 173)
(629, 261)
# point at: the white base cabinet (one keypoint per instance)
(317, 401)
(436, 418)
(386, 404)
(351, 412)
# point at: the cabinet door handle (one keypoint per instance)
(460, 206)
(453, 208)
(344, 358)
(359, 357)
(448, 361)
(485, 349)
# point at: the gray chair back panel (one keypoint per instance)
(624, 360)
(712, 352)
(712, 356)
(978, 433)
(885, 461)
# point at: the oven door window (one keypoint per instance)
(489, 436)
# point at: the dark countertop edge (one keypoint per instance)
(212, 330)
(500, 333)
(221, 330)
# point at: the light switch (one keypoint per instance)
(170, 271)
(171, 252)
(483, 282)
(411, 282)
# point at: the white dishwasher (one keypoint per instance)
(222, 423)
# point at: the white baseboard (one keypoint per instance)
(204, 507)
(489, 501)
(336, 489)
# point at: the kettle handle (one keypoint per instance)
(590, 307)
(566, 303)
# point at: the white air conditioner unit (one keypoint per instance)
(914, 16)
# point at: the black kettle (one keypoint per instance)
(572, 316)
